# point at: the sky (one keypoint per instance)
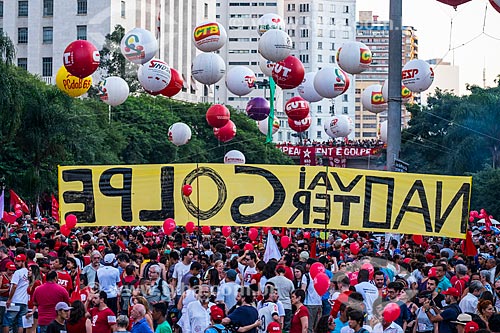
(440, 26)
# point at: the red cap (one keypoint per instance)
(451, 291)
(20, 257)
(236, 248)
(149, 234)
(273, 327)
(10, 266)
(101, 248)
(216, 313)
(471, 326)
(144, 250)
(407, 260)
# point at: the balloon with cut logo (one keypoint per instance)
(154, 75)
(225, 133)
(418, 75)
(179, 134)
(234, 157)
(263, 126)
(288, 73)
(275, 45)
(354, 57)
(406, 93)
(269, 21)
(240, 80)
(217, 115)
(300, 125)
(209, 36)
(297, 108)
(113, 90)
(258, 108)
(73, 86)
(208, 68)
(306, 88)
(331, 82)
(340, 126)
(139, 46)
(372, 99)
(81, 58)
(266, 66)
(175, 85)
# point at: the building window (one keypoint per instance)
(22, 63)
(320, 58)
(345, 98)
(332, 8)
(48, 7)
(346, 22)
(22, 35)
(320, 7)
(81, 7)
(303, 7)
(123, 9)
(332, 109)
(332, 46)
(291, 19)
(332, 34)
(22, 9)
(320, 32)
(345, 34)
(46, 66)
(345, 110)
(318, 121)
(346, 9)
(81, 32)
(304, 32)
(320, 45)
(332, 21)
(304, 58)
(320, 19)
(318, 133)
(48, 35)
(205, 10)
(332, 59)
(1, 8)
(318, 109)
(291, 7)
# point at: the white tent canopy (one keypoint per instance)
(493, 221)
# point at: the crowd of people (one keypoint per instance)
(139, 280)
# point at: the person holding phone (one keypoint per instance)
(422, 322)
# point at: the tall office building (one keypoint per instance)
(375, 34)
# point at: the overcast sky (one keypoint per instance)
(432, 19)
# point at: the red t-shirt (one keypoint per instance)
(343, 298)
(64, 279)
(31, 291)
(296, 323)
(102, 320)
(288, 272)
(45, 298)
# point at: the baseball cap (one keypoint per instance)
(63, 306)
(463, 319)
(231, 274)
(451, 291)
(11, 266)
(20, 257)
(471, 326)
(273, 327)
(216, 313)
(304, 255)
(109, 258)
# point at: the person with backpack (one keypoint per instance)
(159, 290)
(448, 314)
(129, 283)
(216, 316)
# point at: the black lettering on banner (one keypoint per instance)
(464, 194)
(323, 177)
(85, 197)
(167, 198)
(417, 187)
(221, 193)
(370, 182)
(125, 192)
(325, 210)
(341, 185)
(302, 178)
(278, 197)
(303, 207)
(346, 200)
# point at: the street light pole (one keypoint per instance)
(395, 68)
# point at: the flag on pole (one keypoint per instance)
(2, 203)
(55, 208)
(270, 119)
(16, 200)
(272, 250)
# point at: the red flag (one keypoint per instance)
(468, 247)
(55, 208)
(16, 200)
(488, 222)
(76, 294)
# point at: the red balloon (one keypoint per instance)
(71, 221)
(316, 269)
(18, 213)
(301, 125)
(169, 226)
(454, 3)
(248, 247)
(217, 115)
(226, 231)
(307, 235)
(418, 239)
(321, 283)
(174, 86)
(288, 73)
(81, 58)
(225, 133)
(369, 268)
(391, 312)
(285, 241)
(205, 229)
(297, 108)
(187, 190)
(253, 233)
(9, 217)
(190, 227)
(229, 242)
(65, 230)
(354, 247)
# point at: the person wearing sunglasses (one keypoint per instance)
(58, 325)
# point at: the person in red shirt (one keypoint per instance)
(102, 318)
(45, 298)
(63, 277)
(344, 285)
(300, 319)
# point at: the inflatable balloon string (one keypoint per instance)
(270, 119)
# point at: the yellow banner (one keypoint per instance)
(266, 195)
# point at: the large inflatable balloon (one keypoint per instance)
(417, 75)
(179, 134)
(258, 108)
(139, 46)
(263, 126)
(209, 36)
(372, 99)
(495, 4)
(217, 115)
(354, 57)
(297, 108)
(70, 84)
(234, 157)
(266, 66)
(288, 73)
(275, 45)
(306, 88)
(340, 126)
(300, 125)
(113, 90)
(154, 76)
(81, 58)
(225, 133)
(175, 85)
(208, 68)
(383, 131)
(240, 80)
(406, 93)
(270, 21)
(331, 82)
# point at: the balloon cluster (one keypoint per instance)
(218, 117)
(71, 221)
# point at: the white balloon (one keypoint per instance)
(275, 45)
(406, 93)
(331, 82)
(372, 99)
(113, 90)
(240, 80)
(208, 68)
(339, 126)
(179, 134)
(383, 131)
(234, 157)
(270, 21)
(306, 88)
(139, 46)
(264, 126)
(354, 57)
(209, 36)
(154, 75)
(417, 75)
(266, 66)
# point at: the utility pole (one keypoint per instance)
(395, 68)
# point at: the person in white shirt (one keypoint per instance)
(109, 277)
(198, 312)
(181, 269)
(18, 296)
(368, 290)
(468, 304)
(313, 301)
(268, 310)
(249, 268)
(385, 327)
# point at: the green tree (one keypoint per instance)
(485, 188)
